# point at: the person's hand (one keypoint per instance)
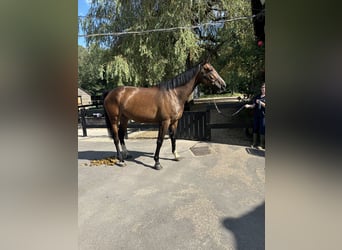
(246, 106)
(257, 101)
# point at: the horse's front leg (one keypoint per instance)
(172, 134)
(161, 134)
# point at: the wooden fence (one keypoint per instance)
(194, 125)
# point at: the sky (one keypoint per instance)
(83, 6)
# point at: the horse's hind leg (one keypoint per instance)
(122, 133)
(172, 134)
(116, 143)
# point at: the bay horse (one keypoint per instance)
(162, 104)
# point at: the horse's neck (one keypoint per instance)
(184, 91)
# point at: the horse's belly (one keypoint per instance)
(144, 119)
(142, 113)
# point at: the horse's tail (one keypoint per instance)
(108, 123)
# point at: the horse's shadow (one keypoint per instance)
(133, 156)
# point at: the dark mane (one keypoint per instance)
(179, 80)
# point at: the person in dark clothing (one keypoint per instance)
(259, 105)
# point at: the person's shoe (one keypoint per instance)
(255, 138)
(262, 141)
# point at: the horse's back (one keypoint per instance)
(116, 95)
(123, 93)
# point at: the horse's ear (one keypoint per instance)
(206, 59)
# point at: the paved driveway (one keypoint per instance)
(211, 201)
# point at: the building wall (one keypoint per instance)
(83, 97)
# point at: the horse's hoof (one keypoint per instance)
(121, 164)
(176, 155)
(157, 166)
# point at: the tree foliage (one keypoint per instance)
(148, 58)
(90, 67)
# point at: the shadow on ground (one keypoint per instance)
(256, 152)
(249, 229)
(133, 156)
(231, 136)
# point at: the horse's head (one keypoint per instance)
(210, 77)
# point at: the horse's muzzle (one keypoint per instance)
(221, 84)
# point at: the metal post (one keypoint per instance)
(207, 124)
(83, 121)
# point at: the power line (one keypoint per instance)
(169, 29)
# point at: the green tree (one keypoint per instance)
(240, 59)
(148, 58)
(90, 68)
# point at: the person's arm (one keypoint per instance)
(263, 104)
(250, 106)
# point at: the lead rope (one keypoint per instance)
(220, 112)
